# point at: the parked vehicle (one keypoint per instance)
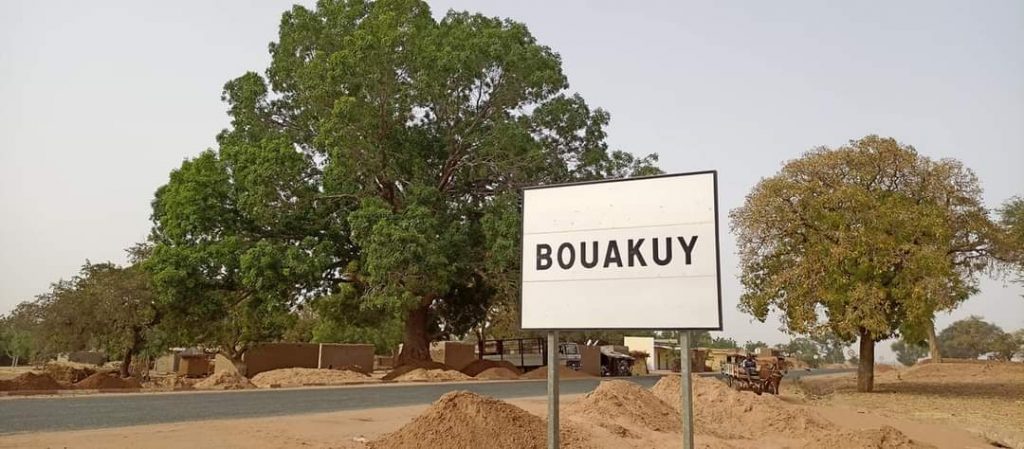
(616, 361)
(758, 375)
(528, 353)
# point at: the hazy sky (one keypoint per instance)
(100, 100)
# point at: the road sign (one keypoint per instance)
(635, 253)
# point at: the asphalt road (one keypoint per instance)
(116, 410)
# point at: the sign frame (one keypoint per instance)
(718, 252)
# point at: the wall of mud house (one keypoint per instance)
(645, 344)
(590, 360)
(348, 356)
(271, 356)
(167, 363)
(194, 366)
(459, 355)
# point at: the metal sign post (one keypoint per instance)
(553, 390)
(686, 388)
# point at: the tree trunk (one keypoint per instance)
(933, 343)
(134, 348)
(126, 363)
(866, 367)
(416, 340)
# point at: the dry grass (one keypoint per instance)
(7, 372)
(987, 399)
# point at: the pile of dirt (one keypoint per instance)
(625, 404)
(431, 375)
(107, 381)
(31, 382)
(307, 376)
(719, 411)
(479, 366)
(563, 373)
(467, 420)
(70, 372)
(498, 373)
(224, 380)
(409, 366)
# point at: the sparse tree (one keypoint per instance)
(751, 346)
(871, 236)
(908, 353)
(804, 349)
(104, 307)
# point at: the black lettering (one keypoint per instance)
(543, 256)
(688, 248)
(572, 255)
(583, 255)
(613, 247)
(633, 250)
(668, 251)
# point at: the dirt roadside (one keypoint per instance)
(349, 430)
(986, 399)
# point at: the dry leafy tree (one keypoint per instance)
(1011, 245)
(867, 241)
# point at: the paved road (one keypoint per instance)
(88, 412)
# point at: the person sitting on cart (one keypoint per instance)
(750, 365)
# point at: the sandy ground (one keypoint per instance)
(338, 430)
(348, 430)
(986, 399)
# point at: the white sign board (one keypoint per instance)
(638, 253)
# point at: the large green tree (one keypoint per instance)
(970, 337)
(377, 161)
(863, 240)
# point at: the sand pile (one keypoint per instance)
(224, 380)
(107, 381)
(31, 382)
(466, 420)
(409, 366)
(290, 377)
(719, 411)
(563, 373)
(498, 373)
(628, 405)
(479, 366)
(70, 372)
(431, 375)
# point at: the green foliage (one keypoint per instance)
(861, 240)
(381, 150)
(723, 343)
(908, 353)
(1011, 245)
(15, 338)
(972, 337)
